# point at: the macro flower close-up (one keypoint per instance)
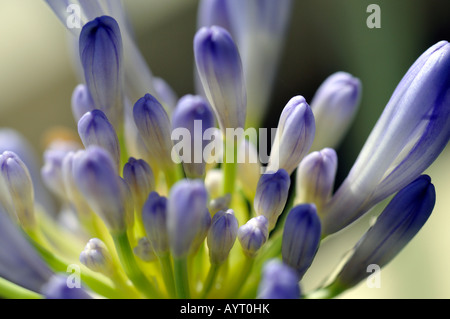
(225, 149)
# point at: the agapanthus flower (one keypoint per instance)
(171, 198)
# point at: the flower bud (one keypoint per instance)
(394, 228)
(81, 101)
(192, 114)
(100, 47)
(334, 106)
(301, 238)
(279, 281)
(294, 137)
(220, 70)
(315, 177)
(213, 182)
(144, 250)
(219, 203)
(57, 288)
(154, 218)
(185, 214)
(154, 126)
(96, 257)
(221, 236)
(271, 195)
(95, 129)
(213, 12)
(139, 177)
(253, 235)
(202, 233)
(17, 179)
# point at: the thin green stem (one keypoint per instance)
(181, 278)
(173, 175)
(167, 272)
(131, 267)
(229, 168)
(210, 280)
(12, 291)
(244, 273)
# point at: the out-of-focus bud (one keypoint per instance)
(315, 178)
(301, 238)
(294, 137)
(57, 288)
(144, 250)
(140, 179)
(279, 281)
(213, 182)
(101, 54)
(253, 235)
(96, 257)
(95, 129)
(271, 195)
(165, 93)
(220, 70)
(334, 106)
(219, 203)
(221, 236)
(81, 101)
(154, 218)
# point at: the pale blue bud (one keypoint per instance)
(154, 218)
(271, 195)
(294, 137)
(201, 233)
(221, 236)
(144, 250)
(220, 70)
(301, 238)
(94, 128)
(81, 101)
(57, 288)
(278, 281)
(253, 235)
(139, 176)
(96, 257)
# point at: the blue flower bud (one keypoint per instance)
(57, 288)
(100, 47)
(253, 235)
(19, 262)
(96, 177)
(95, 129)
(185, 214)
(334, 106)
(220, 70)
(144, 250)
(394, 228)
(96, 257)
(140, 179)
(301, 238)
(221, 236)
(279, 281)
(219, 203)
(271, 195)
(202, 232)
(315, 177)
(154, 128)
(294, 137)
(154, 218)
(409, 135)
(81, 101)
(18, 182)
(193, 114)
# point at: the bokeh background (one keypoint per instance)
(37, 78)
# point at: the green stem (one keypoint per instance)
(210, 279)
(167, 272)
(131, 267)
(181, 278)
(229, 169)
(173, 175)
(242, 278)
(12, 291)
(327, 292)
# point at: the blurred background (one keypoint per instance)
(37, 79)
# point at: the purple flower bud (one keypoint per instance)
(154, 218)
(253, 235)
(399, 222)
(185, 214)
(96, 257)
(220, 70)
(18, 182)
(154, 128)
(294, 137)
(96, 177)
(57, 288)
(334, 106)
(202, 232)
(301, 238)
(193, 114)
(101, 56)
(95, 129)
(408, 137)
(140, 179)
(221, 236)
(315, 177)
(271, 195)
(279, 281)
(81, 101)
